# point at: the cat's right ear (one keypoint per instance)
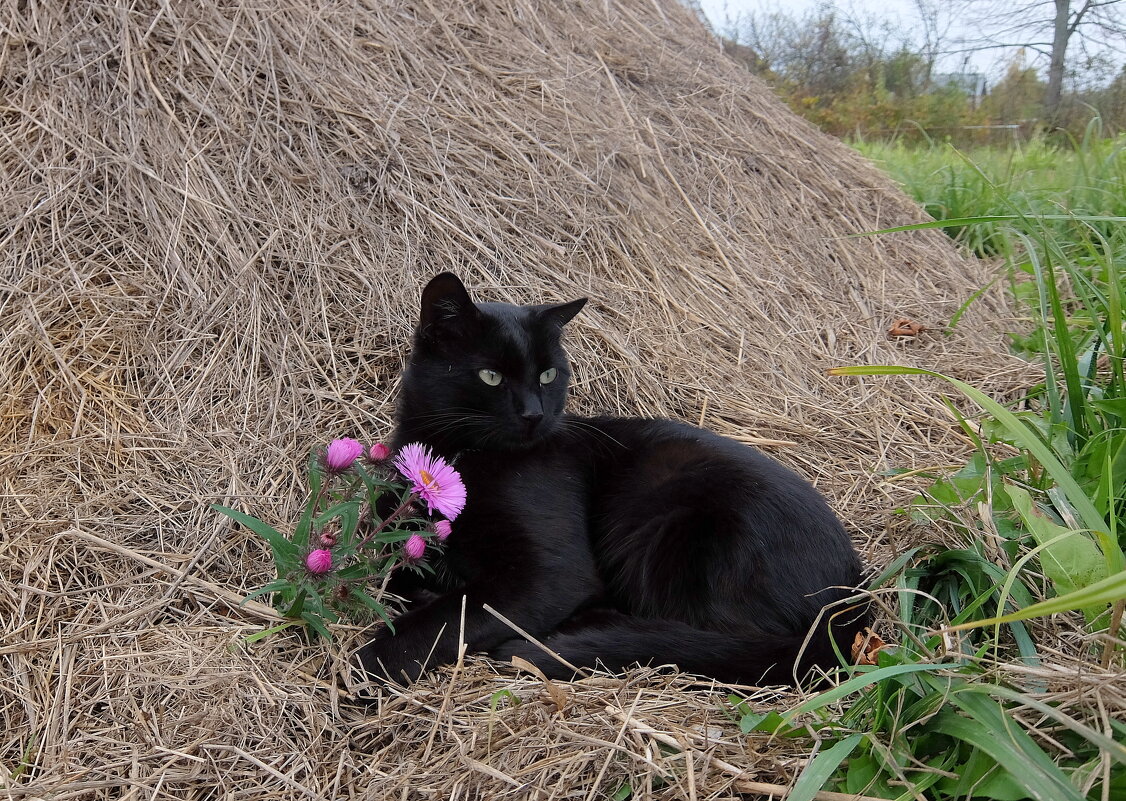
(560, 313)
(446, 308)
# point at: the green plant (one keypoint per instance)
(1072, 556)
(920, 725)
(363, 519)
(1042, 502)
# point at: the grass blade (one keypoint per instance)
(1001, 738)
(865, 679)
(1109, 590)
(1021, 433)
(958, 222)
(821, 768)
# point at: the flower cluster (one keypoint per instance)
(370, 512)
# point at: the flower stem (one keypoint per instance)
(317, 500)
(402, 507)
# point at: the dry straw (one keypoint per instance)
(216, 218)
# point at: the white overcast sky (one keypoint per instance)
(901, 13)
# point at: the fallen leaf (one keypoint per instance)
(865, 645)
(554, 691)
(905, 327)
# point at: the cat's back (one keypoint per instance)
(656, 450)
(706, 528)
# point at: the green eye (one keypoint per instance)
(548, 375)
(490, 377)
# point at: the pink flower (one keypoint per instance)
(341, 453)
(319, 561)
(435, 481)
(414, 548)
(442, 529)
(379, 452)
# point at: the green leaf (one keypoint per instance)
(865, 777)
(1114, 406)
(253, 638)
(356, 571)
(1064, 349)
(301, 533)
(893, 568)
(391, 537)
(317, 624)
(298, 606)
(1022, 435)
(1113, 747)
(980, 776)
(1109, 590)
(965, 306)
(1069, 558)
(349, 514)
(368, 601)
(769, 723)
(865, 679)
(1003, 739)
(285, 552)
(1110, 469)
(277, 585)
(821, 768)
(507, 695)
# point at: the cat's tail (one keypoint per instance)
(614, 641)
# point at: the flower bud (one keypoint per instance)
(442, 529)
(379, 452)
(319, 561)
(414, 548)
(341, 453)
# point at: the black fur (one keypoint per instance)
(615, 541)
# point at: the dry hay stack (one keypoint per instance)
(216, 221)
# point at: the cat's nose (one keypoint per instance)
(531, 419)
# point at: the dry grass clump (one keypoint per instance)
(216, 218)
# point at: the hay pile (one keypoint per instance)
(216, 221)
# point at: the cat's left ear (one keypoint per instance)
(562, 313)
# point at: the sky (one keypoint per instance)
(901, 12)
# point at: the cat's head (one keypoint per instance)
(488, 376)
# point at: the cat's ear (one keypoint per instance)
(446, 307)
(562, 313)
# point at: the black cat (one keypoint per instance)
(613, 540)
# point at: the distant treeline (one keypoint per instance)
(858, 86)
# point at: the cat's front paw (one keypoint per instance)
(385, 660)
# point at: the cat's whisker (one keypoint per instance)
(580, 427)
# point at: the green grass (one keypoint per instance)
(1042, 505)
(1037, 179)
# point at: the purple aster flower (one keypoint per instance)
(414, 548)
(319, 561)
(434, 480)
(341, 453)
(442, 529)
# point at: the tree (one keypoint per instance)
(1049, 28)
(1017, 96)
(935, 24)
(849, 73)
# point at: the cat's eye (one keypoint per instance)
(490, 377)
(548, 375)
